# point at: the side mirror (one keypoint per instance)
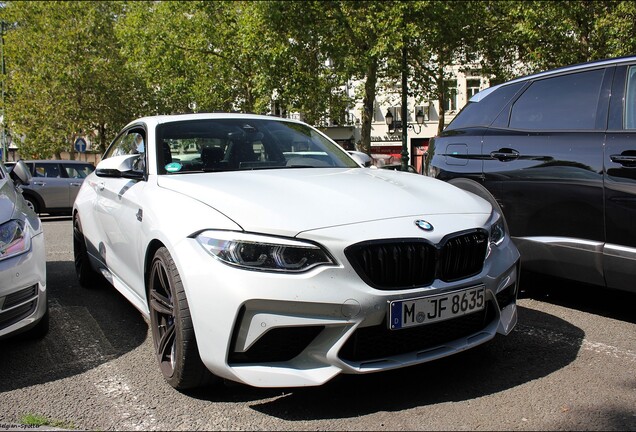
(20, 174)
(118, 167)
(362, 158)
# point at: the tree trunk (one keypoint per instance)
(441, 99)
(367, 104)
(102, 138)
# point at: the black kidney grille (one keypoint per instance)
(407, 263)
(389, 265)
(463, 256)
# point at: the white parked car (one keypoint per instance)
(23, 301)
(262, 253)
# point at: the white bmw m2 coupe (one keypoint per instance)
(262, 252)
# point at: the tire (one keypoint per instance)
(476, 188)
(32, 203)
(171, 326)
(86, 275)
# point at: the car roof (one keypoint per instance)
(580, 66)
(159, 119)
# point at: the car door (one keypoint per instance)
(52, 184)
(75, 174)
(545, 156)
(620, 182)
(118, 210)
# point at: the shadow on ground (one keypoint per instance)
(614, 304)
(88, 327)
(498, 365)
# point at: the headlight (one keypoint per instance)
(257, 252)
(498, 228)
(15, 239)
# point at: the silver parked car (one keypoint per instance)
(23, 302)
(55, 184)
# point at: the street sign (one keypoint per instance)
(80, 145)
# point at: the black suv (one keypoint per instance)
(557, 150)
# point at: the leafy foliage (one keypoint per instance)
(89, 67)
(63, 74)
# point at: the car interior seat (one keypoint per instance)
(240, 151)
(167, 154)
(212, 157)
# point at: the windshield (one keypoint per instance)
(244, 144)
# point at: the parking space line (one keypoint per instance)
(597, 347)
(135, 415)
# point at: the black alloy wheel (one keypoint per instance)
(171, 325)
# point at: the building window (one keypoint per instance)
(472, 87)
(424, 109)
(396, 111)
(450, 98)
(378, 114)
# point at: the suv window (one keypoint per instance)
(78, 171)
(563, 102)
(630, 100)
(484, 112)
(47, 170)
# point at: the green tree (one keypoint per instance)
(199, 55)
(64, 75)
(541, 35)
(356, 37)
(303, 70)
(440, 35)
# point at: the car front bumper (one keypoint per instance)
(23, 298)
(282, 330)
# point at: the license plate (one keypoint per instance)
(427, 310)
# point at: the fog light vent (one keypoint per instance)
(277, 345)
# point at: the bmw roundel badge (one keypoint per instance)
(422, 224)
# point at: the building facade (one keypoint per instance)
(386, 142)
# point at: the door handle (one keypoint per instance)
(39, 183)
(625, 160)
(504, 154)
(76, 184)
(101, 186)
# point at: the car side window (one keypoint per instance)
(563, 102)
(77, 171)
(629, 120)
(130, 143)
(484, 112)
(47, 170)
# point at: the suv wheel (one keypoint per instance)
(32, 203)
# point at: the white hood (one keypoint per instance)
(290, 201)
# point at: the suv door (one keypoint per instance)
(76, 174)
(620, 182)
(545, 155)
